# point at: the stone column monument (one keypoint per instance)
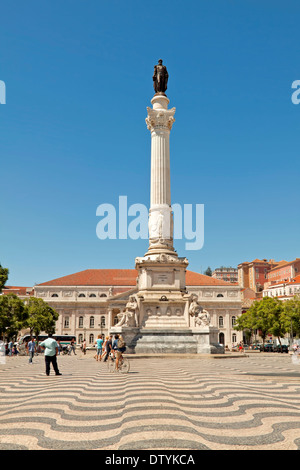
(162, 317)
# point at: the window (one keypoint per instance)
(54, 295)
(221, 322)
(103, 295)
(92, 295)
(233, 320)
(220, 295)
(80, 323)
(92, 322)
(66, 322)
(102, 322)
(80, 338)
(234, 338)
(91, 339)
(81, 295)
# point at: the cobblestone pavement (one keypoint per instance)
(171, 403)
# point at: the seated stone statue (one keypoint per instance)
(201, 316)
(129, 316)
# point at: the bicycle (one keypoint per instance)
(124, 364)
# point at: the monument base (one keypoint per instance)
(170, 341)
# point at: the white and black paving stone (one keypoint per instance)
(249, 402)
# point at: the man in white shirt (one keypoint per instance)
(51, 350)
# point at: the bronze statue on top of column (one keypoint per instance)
(160, 77)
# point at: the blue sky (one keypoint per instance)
(78, 78)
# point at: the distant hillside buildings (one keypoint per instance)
(226, 274)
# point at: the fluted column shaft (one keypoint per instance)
(160, 167)
(159, 121)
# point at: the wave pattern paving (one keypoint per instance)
(162, 404)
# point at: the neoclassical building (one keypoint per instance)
(89, 301)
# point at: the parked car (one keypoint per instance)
(281, 349)
(268, 347)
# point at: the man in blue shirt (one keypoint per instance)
(31, 349)
(51, 350)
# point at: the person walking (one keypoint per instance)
(31, 349)
(51, 350)
(99, 345)
(121, 348)
(104, 347)
(108, 347)
(84, 347)
(72, 344)
(10, 347)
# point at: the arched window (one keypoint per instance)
(80, 323)
(233, 320)
(81, 295)
(54, 295)
(66, 322)
(92, 295)
(103, 295)
(102, 321)
(92, 322)
(91, 339)
(220, 295)
(80, 338)
(221, 322)
(234, 338)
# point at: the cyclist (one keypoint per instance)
(121, 348)
(115, 345)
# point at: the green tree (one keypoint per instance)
(3, 277)
(208, 272)
(262, 315)
(13, 315)
(290, 315)
(266, 315)
(42, 317)
(247, 321)
(272, 308)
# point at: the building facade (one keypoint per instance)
(226, 274)
(284, 290)
(285, 271)
(254, 274)
(91, 302)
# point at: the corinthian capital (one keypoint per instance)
(160, 118)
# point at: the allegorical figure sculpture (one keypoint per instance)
(160, 77)
(130, 316)
(201, 316)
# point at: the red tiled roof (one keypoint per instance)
(295, 280)
(125, 277)
(196, 279)
(96, 277)
(283, 263)
(18, 290)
